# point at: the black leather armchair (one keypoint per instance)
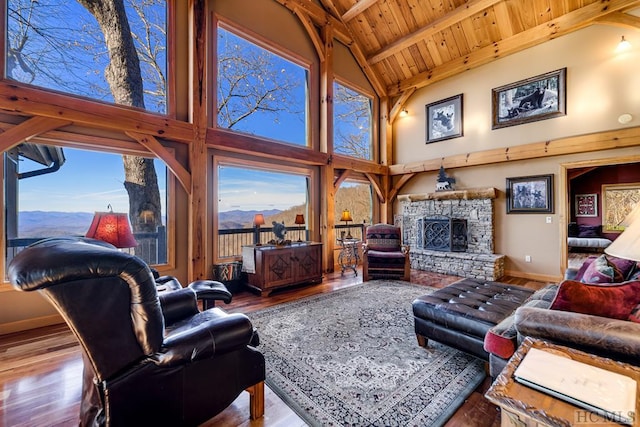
(148, 360)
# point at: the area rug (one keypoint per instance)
(351, 357)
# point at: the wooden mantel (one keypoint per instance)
(472, 193)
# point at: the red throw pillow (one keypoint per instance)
(616, 300)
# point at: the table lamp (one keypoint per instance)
(346, 217)
(299, 221)
(627, 245)
(258, 220)
(112, 227)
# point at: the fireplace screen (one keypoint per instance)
(449, 235)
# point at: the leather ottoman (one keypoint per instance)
(460, 314)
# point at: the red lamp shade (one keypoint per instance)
(112, 227)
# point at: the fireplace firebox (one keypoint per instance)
(448, 235)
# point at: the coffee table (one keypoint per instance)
(521, 405)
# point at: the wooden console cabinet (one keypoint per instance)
(280, 266)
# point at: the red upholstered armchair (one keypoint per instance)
(383, 254)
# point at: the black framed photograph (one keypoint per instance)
(587, 204)
(530, 194)
(444, 119)
(537, 98)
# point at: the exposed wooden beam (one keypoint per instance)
(32, 101)
(463, 12)
(560, 26)
(151, 143)
(342, 176)
(321, 18)
(358, 165)
(398, 186)
(357, 9)
(397, 106)
(619, 138)
(27, 130)
(620, 19)
(373, 179)
(312, 31)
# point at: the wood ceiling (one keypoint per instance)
(407, 44)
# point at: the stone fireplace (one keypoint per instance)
(452, 232)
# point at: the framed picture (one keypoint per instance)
(617, 202)
(586, 204)
(536, 98)
(444, 119)
(530, 194)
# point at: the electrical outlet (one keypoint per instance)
(527, 258)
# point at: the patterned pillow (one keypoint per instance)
(615, 301)
(601, 271)
(626, 267)
(383, 237)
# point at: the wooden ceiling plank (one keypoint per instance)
(503, 20)
(566, 24)
(460, 13)
(357, 9)
(28, 129)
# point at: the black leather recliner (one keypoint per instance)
(148, 360)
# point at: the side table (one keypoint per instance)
(349, 257)
(523, 406)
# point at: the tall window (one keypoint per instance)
(357, 198)
(244, 192)
(53, 191)
(58, 44)
(260, 92)
(352, 123)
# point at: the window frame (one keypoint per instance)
(225, 159)
(374, 140)
(129, 149)
(74, 101)
(275, 49)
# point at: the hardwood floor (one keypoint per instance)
(40, 370)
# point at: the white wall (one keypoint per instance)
(601, 85)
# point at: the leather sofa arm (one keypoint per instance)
(177, 305)
(617, 339)
(218, 335)
(211, 290)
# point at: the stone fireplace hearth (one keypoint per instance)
(472, 207)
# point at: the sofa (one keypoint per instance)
(588, 237)
(596, 309)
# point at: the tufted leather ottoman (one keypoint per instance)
(460, 314)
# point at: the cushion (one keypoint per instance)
(383, 237)
(587, 262)
(626, 267)
(573, 230)
(616, 301)
(589, 230)
(602, 271)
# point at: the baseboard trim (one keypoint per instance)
(25, 325)
(533, 276)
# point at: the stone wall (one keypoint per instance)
(476, 206)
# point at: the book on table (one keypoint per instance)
(607, 393)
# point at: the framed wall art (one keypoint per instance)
(530, 194)
(536, 98)
(444, 119)
(586, 205)
(617, 201)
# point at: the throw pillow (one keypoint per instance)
(589, 230)
(573, 230)
(626, 267)
(615, 301)
(601, 271)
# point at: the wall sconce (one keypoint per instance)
(404, 112)
(346, 217)
(258, 220)
(299, 221)
(623, 45)
(112, 227)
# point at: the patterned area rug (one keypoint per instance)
(351, 357)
